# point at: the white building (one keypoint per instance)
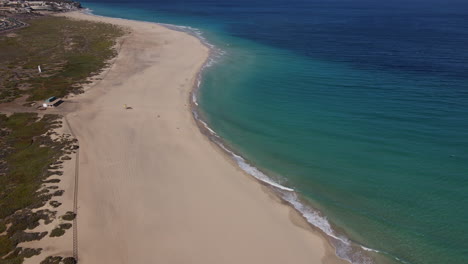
(36, 3)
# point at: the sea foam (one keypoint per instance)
(343, 247)
(341, 243)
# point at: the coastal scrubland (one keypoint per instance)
(150, 170)
(28, 156)
(32, 153)
(68, 51)
(146, 168)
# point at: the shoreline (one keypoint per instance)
(279, 192)
(293, 213)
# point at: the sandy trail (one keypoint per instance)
(152, 188)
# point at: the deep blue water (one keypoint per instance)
(360, 106)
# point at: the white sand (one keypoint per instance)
(154, 189)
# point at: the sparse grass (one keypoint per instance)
(27, 160)
(69, 51)
(26, 153)
(25, 221)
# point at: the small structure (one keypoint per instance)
(41, 8)
(6, 8)
(52, 102)
(36, 3)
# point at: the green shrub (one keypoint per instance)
(3, 226)
(52, 260)
(65, 226)
(55, 204)
(5, 245)
(69, 216)
(56, 232)
(69, 260)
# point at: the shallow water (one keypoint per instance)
(360, 107)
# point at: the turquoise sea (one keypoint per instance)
(360, 107)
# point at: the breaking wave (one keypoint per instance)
(344, 248)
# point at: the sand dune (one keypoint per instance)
(152, 188)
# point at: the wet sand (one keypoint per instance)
(152, 188)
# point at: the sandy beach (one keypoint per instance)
(152, 188)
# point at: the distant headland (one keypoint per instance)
(25, 7)
(12, 13)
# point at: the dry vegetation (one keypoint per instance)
(68, 51)
(28, 154)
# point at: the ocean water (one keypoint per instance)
(359, 106)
